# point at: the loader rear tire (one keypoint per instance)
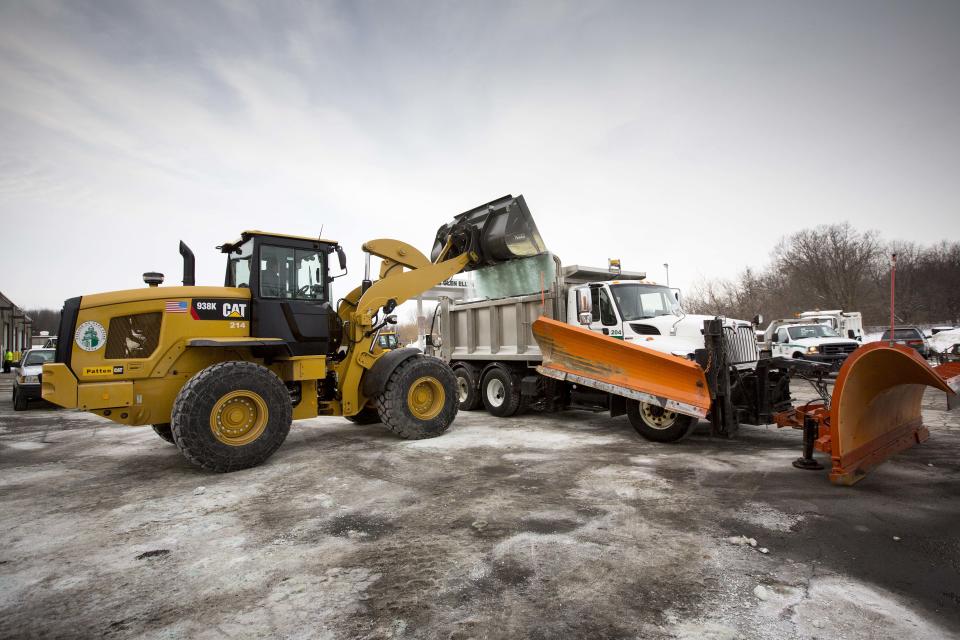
(231, 416)
(468, 388)
(500, 392)
(367, 415)
(419, 399)
(165, 432)
(658, 424)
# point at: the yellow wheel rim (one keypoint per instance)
(239, 418)
(426, 397)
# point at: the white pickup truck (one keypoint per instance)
(806, 339)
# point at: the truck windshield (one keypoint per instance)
(811, 331)
(638, 301)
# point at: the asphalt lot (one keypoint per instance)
(532, 527)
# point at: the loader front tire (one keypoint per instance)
(231, 416)
(658, 424)
(419, 399)
(165, 432)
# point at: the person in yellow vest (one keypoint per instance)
(7, 361)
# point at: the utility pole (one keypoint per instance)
(667, 267)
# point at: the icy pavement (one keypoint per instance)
(565, 526)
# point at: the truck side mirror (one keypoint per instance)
(584, 306)
(757, 320)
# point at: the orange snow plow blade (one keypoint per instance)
(875, 408)
(622, 368)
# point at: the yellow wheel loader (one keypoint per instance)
(222, 371)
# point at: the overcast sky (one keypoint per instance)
(682, 132)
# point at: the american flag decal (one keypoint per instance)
(175, 306)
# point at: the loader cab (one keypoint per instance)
(289, 281)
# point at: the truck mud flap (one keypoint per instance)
(875, 408)
(593, 360)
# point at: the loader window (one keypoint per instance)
(291, 273)
(238, 274)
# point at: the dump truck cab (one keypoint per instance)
(647, 313)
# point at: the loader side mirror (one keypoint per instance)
(342, 260)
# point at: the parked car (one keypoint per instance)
(26, 382)
(911, 337)
(950, 355)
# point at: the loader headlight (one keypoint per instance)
(813, 349)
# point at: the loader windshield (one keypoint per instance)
(287, 272)
(639, 301)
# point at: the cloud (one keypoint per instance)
(694, 134)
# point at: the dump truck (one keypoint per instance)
(494, 354)
(586, 338)
(222, 371)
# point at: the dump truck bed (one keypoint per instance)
(495, 329)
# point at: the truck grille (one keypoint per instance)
(837, 349)
(135, 336)
(741, 344)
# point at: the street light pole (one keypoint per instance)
(667, 267)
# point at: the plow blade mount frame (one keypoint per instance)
(621, 368)
(496, 232)
(875, 408)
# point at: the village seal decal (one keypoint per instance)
(90, 336)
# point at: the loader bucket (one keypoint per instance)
(629, 370)
(498, 231)
(875, 409)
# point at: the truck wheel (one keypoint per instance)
(165, 432)
(468, 392)
(500, 392)
(19, 401)
(367, 415)
(230, 416)
(420, 398)
(656, 423)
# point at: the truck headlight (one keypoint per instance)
(813, 349)
(29, 379)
